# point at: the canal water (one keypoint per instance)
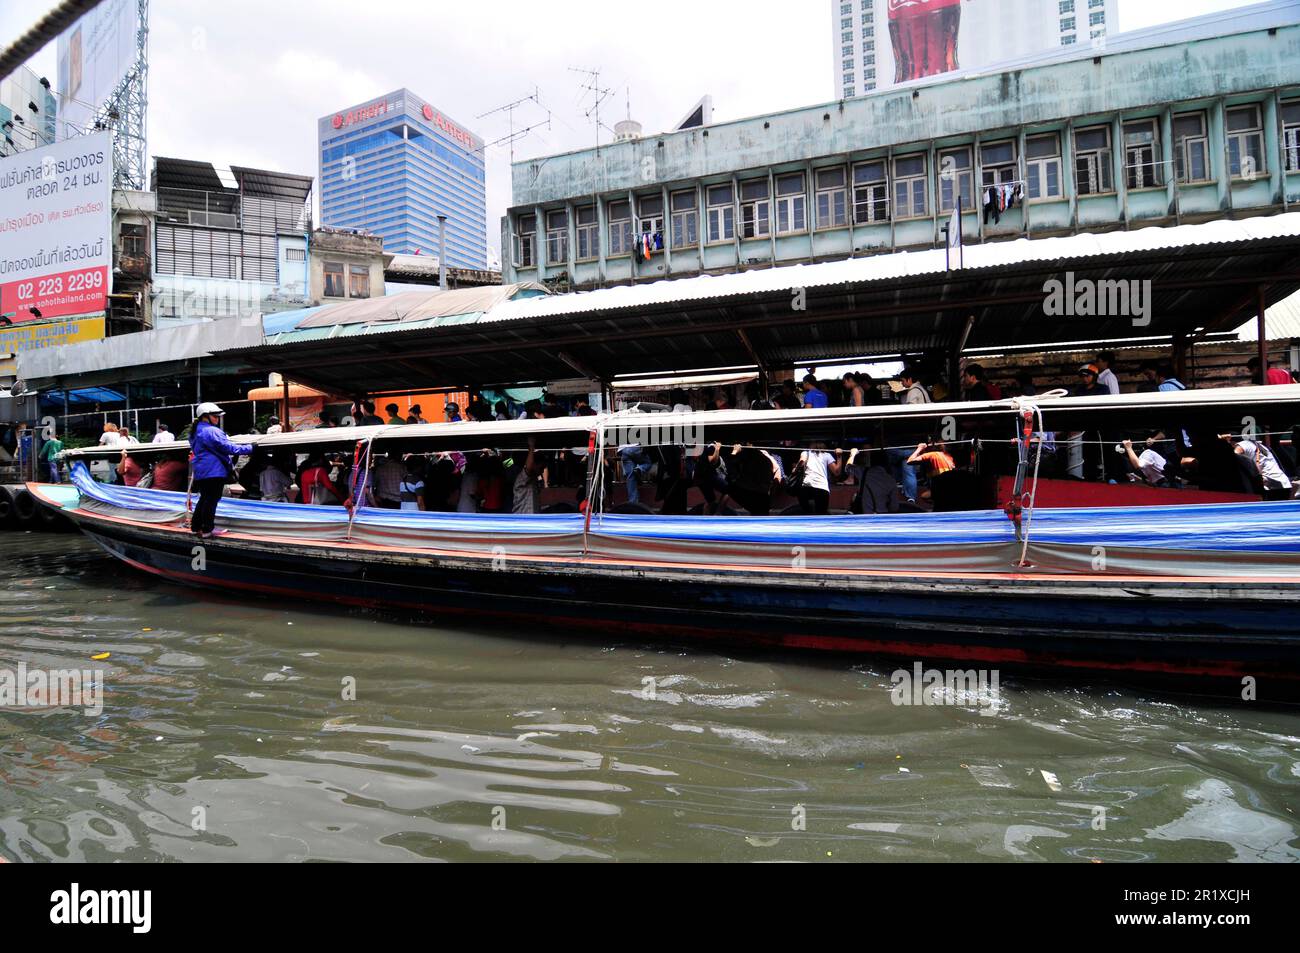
(266, 731)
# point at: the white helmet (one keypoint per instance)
(208, 408)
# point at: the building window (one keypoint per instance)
(1067, 24)
(587, 233)
(791, 204)
(849, 92)
(847, 51)
(1291, 135)
(1191, 148)
(721, 214)
(358, 281)
(847, 36)
(869, 74)
(868, 31)
(526, 242)
(650, 210)
(620, 228)
(135, 241)
(870, 193)
(557, 237)
(848, 79)
(1092, 170)
(1068, 40)
(1096, 19)
(755, 209)
(1066, 6)
(910, 187)
(832, 198)
(1245, 142)
(846, 23)
(1143, 164)
(998, 164)
(1043, 166)
(334, 280)
(846, 8)
(1096, 4)
(292, 254)
(955, 179)
(685, 219)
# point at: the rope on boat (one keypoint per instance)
(359, 491)
(1033, 491)
(594, 462)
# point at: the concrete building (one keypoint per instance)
(345, 266)
(28, 112)
(229, 241)
(130, 305)
(1181, 124)
(877, 44)
(392, 165)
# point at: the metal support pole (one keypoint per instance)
(442, 252)
(1262, 300)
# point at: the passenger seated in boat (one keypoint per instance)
(171, 472)
(412, 485)
(315, 485)
(934, 459)
(1149, 466)
(129, 469)
(274, 481)
(441, 481)
(388, 475)
(818, 467)
(751, 476)
(525, 477)
(710, 476)
(1272, 481)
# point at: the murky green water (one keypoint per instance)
(225, 736)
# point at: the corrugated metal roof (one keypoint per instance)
(876, 268)
(1281, 322)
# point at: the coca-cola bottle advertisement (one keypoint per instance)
(924, 35)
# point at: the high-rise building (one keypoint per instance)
(27, 112)
(876, 44)
(392, 165)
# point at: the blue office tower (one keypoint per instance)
(392, 165)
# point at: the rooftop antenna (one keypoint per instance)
(509, 110)
(598, 95)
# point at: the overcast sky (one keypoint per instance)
(243, 81)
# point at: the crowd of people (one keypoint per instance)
(908, 466)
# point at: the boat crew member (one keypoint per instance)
(213, 451)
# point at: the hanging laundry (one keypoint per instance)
(659, 241)
(991, 207)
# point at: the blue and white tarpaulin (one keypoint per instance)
(1241, 540)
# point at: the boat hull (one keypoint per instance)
(1221, 638)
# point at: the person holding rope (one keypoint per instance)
(213, 452)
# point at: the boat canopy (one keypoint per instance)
(1231, 409)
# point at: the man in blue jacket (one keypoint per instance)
(212, 451)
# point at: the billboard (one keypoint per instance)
(55, 213)
(33, 337)
(94, 54)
